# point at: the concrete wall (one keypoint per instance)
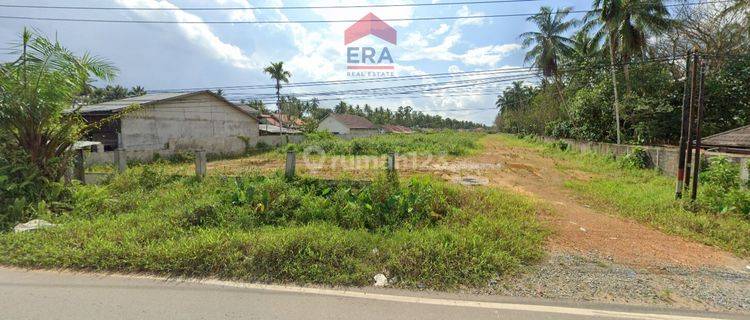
(664, 159)
(277, 140)
(193, 122)
(358, 133)
(330, 124)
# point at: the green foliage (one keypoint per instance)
(561, 145)
(721, 189)
(638, 158)
(25, 193)
(447, 142)
(269, 229)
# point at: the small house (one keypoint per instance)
(174, 121)
(396, 129)
(348, 124)
(733, 141)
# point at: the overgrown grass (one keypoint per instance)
(447, 142)
(645, 195)
(417, 231)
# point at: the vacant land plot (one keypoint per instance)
(417, 231)
(447, 142)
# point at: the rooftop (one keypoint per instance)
(353, 122)
(735, 138)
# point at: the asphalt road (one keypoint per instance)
(65, 295)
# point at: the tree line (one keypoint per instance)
(618, 73)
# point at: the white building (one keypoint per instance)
(349, 125)
(175, 122)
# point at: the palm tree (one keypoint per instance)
(137, 91)
(585, 49)
(625, 25)
(549, 43)
(37, 90)
(277, 72)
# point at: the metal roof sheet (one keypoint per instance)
(736, 138)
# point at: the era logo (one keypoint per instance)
(369, 57)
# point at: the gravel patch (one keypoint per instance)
(588, 278)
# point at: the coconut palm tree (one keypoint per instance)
(585, 49)
(37, 91)
(549, 44)
(137, 91)
(625, 25)
(277, 72)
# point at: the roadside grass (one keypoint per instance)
(445, 142)
(646, 196)
(417, 231)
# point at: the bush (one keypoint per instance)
(721, 188)
(269, 229)
(638, 158)
(25, 193)
(561, 145)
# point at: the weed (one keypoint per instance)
(306, 230)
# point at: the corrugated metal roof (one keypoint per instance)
(151, 98)
(735, 138)
(396, 129)
(117, 105)
(353, 122)
(276, 129)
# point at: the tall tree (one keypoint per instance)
(277, 73)
(625, 25)
(549, 44)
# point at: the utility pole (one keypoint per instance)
(699, 122)
(691, 119)
(683, 130)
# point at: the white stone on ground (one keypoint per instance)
(32, 225)
(380, 280)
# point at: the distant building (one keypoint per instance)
(396, 129)
(347, 124)
(732, 141)
(272, 130)
(277, 119)
(174, 121)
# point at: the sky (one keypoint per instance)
(197, 55)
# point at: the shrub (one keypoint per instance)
(265, 229)
(638, 158)
(561, 145)
(721, 188)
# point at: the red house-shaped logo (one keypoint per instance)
(370, 25)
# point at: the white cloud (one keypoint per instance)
(199, 34)
(443, 28)
(417, 47)
(238, 15)
(488, 55)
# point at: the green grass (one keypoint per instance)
(448, 142)
(647, 196)
(420, 231)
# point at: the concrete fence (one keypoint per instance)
(664, 159)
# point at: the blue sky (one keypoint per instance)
(202, 55)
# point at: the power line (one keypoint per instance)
(355, 81)
(505, 15)
(265, 7)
